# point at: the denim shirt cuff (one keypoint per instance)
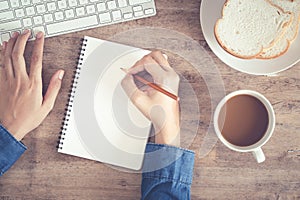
(168, 163)
(10, 150)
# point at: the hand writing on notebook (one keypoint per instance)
(22, 105)
(162, 110)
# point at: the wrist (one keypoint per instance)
(169, 135)
(14, 131)
(19, 136)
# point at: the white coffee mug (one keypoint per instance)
(254, 148)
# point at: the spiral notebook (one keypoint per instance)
(101, 123)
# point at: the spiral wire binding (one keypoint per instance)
(71, 95)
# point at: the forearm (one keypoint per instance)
(167, 172)
(10, 150)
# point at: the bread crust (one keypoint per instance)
(258, 55)
(227, 49)
(220, 42)
(289, 41)
(275, 56)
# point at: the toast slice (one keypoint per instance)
(249, 26)
(282, 45)
(279, 48)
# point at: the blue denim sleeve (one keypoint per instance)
(167, 173)
(10, 150)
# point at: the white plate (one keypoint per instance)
(210, 12)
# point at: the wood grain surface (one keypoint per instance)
(42, 173)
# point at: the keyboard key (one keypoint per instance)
(62, 4)
(111, 5)
(83, 2)
(101, 7)
(48, 18)
(36, 1)
(122, 3)
(37, 20)
(25, 2)
(5, 27)
(4, 5)
(128, 15)
(136, 2)
(105, 18)
(41, 8)
(67, 26)
(14, 3)
(70, 14)
(51, 6)
(30, 11)
(5, 37)
(149, 11)
(90, 9)
(80, 11)
(137, 8)
(72, 3)
(20, 13)
(59, 16)
(6, 16)
(35, 30)
(138, 13)
(27, 22)
(117, 15)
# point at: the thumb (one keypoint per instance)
(52, 91)
(138, 97)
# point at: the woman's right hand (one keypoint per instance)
(162, 110)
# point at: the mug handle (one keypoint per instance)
(259, 155)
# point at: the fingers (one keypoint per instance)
(4, 44)
(158, 67)
(140, 65)
(156, 72)
(155, 63)
(130, 88)
(14, 61)
(18, 60)
(52, 91)
(2, 72)
(161, 60)
(8, 56)
(147, 63)
(138, 98)
(37, 57)
(137, 67)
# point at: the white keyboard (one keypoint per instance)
(56, 17)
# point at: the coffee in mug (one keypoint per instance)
(244, 121)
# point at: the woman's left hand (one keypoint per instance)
(22, 105)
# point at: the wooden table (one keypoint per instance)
(42, 173)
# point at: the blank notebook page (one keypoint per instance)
(101, 123)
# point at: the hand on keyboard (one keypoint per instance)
(22, 105)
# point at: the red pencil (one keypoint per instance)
(154, 86)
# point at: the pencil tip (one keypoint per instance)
(123, 69)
